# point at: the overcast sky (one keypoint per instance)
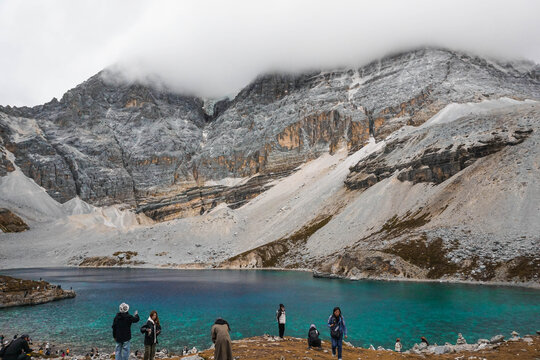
(214, 48)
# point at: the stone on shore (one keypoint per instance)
(496, 339)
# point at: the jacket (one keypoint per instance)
(337, 324)
(122, 326)
(16, 348)
(150, 339)
(280, 316)
(313, 334)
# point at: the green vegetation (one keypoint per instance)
(430, 255)
(272, 253)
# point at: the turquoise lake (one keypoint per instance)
(188, 302)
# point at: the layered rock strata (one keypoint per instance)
(109, 142)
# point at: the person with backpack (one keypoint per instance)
(222, 340)
(313, 337)
(122, 331)
(151, 330)
(17, 349)
(338, 330)
(281, 319)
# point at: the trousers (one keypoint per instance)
(122, 350)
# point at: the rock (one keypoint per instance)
(496, 339)
(9, 222)
(439, 350)
(482, 346)
(515, 336)
(460, 340)
(110, 142)
(17, 292)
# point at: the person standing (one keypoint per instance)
(338, 330)
(151, 330)
(222, 340)
(122, 331)
(398, 345)
(281, 319)
(18, 349)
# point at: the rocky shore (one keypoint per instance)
(18, 292)
(496, 348)
(268, 347)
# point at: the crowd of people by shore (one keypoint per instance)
(19, 347)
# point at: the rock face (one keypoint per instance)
(434, 159)
(16, 292)
(9, 222)
(170, 156)
(423, 165)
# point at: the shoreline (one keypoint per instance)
(197, 267)
(256, 347)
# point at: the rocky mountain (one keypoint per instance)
(350, 172)
(109, 142)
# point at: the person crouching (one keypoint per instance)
(313, 337)
(18, 349)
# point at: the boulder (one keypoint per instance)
(496, 339)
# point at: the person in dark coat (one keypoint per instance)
(336, 323)
(122, 331)
(151, 330)
(18, 349)
(313, 337)
(222, 340)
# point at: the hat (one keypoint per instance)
(124, 308)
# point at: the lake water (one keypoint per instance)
(188, 302)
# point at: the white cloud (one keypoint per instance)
(214, 48)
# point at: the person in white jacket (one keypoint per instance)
(281, 319)
(398, 345)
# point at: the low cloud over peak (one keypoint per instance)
(214, 48)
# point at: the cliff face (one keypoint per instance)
(421, 165)
(109, 142)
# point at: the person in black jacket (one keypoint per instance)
(122, 331)
(151, 330)
(313, 337)
(18, 349)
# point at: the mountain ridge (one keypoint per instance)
(429, 149)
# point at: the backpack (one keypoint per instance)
(335, 331)
(4, 348)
